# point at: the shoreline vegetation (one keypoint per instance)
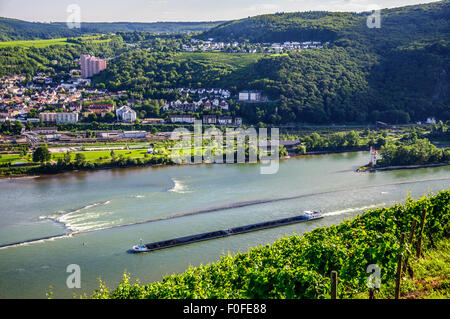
(399, 150)
(367, 168)
(411, 153)
(300, 266)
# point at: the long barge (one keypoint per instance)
(307, 216)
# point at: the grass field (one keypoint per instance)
(12, 158)
(100, 155)
(47, 42)
(35, 43)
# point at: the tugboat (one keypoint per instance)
(312, 214)
(140, 248)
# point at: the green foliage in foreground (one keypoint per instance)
(299, 267)
(431, 276)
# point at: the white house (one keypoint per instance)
(249, 96)
(125, 114)
(224, 105)
(431, 120)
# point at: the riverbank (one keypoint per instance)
(391, 168)
(53, 169)
(39, 171)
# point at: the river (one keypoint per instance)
(183, 200)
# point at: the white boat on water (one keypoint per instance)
(312, 214)
(140, 248)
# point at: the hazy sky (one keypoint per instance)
(178, 10)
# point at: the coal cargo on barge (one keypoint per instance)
(307, 216)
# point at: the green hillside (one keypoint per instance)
(396, 73)
(398, 25)
(297, 26)
(13, 29)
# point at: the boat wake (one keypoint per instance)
(351, 210)
(35, 241)
(78, 220)
(179, 187)
(66, 218)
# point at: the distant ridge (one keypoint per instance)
(14, 29)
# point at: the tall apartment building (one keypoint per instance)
(91, 65)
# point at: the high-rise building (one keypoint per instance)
(91, 65)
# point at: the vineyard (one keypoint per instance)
(393, 238)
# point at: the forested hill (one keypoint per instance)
(404, 23)
(279, 27)
(13, 29)
(395, 73)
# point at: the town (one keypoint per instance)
(45, 101)
(236, 47)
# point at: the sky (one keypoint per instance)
(177, 10)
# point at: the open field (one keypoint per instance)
(35, 43)
(12, 158)
(101, 155)
(48, 42)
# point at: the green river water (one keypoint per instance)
(213, 197)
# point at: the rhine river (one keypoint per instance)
(187, 200)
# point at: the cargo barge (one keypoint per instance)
(307, 216)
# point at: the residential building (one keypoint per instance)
(224, 105)
(44, 130)
(209, 119)
(152, 121)
(100, 109)
(431, 120)
(225, 120)
(183, 118)
(207, 105)
(133, 134)
(91, 65)
(58, 117)
(250, 96)
(66, 117)
(126, 114)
